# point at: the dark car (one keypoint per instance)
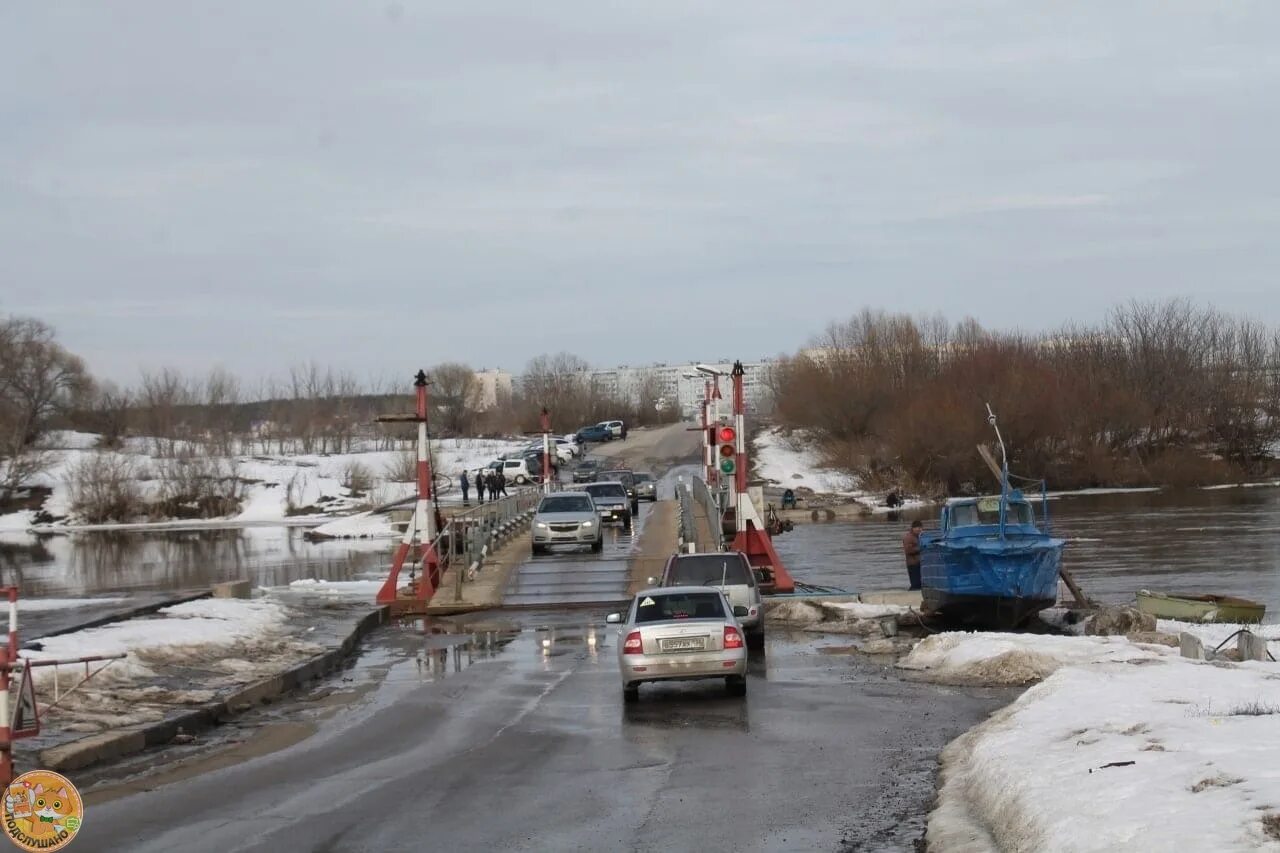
(595, 433)
(611, 500)
(586, 471)
(628, 479)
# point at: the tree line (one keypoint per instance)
(1160, 393)
(191, 419)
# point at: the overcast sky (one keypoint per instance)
(380, 186)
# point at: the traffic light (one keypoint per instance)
(728, 449)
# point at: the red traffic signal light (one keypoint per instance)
(728, 434)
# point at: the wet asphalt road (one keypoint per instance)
(528, 746)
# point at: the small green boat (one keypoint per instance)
(1201, 608)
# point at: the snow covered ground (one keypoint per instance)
(792, 463)
(1123, 746)
(275, 484)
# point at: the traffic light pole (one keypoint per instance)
(751, 537)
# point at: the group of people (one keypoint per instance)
(487, 480)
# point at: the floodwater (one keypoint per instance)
(1218, 540)
(1224, 540)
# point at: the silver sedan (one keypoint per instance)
(680, 634)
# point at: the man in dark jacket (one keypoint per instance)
(480, 485)
(911, 549)
(466, 489)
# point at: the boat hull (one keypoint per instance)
(1204, 608)
(990, 583)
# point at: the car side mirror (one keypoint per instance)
(739, 610)
(651, 581)
(613, 619)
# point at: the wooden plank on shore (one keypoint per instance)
(1076, 592)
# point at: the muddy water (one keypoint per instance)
(1224, 541)
(95, 563)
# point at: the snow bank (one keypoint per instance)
(1212, 634)
(1002, 659)
(364, 525)
(276, 485)
(790, 463)
(1175, 755)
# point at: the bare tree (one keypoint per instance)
(161, 401)
(456, 395)
(38, 380)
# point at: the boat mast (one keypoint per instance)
(1004, 468)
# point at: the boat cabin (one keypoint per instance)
(981, 516)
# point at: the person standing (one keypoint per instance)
(501, 480)
(911, 550)
(466, 489)
(480, 485)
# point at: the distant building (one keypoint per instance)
(492, 386)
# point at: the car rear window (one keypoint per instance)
(688, 605)
(606, 490)
(710, 570)
(566, 503)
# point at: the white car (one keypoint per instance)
(517, 471)
(614, 427)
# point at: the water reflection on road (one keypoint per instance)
(1217, 540)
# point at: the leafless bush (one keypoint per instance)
(197, 486)
(403, 468)
(103, 488)
(357, 478)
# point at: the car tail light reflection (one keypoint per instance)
(633, 644)
(732, 638)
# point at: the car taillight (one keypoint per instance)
(633, 645)
(732, 637)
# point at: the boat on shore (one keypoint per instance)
(1201, 608)
(989, 565)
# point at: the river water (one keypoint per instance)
(1218, 540)
(1198, 540)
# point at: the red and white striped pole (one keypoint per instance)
(11, 655)
(546, 450)
(708, 455)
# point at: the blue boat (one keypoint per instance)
(989, 565)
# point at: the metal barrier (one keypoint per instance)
(473, 535)
(711, 505)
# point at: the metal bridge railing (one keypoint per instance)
(471, 536)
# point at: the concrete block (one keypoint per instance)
(1191, 646)
(1251, 646)
(233, 589)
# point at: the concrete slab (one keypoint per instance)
(904, 597)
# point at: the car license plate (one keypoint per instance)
(684, 644)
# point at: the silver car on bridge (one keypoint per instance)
(679, 634)
(567, 518)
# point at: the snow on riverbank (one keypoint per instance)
(1123, 746)
(276, 486)
(226, 641)
(792, 462)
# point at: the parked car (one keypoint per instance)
(567, 518)
(628, 479)
(562, 451)
(611, 501)
(728, 571)
(519, 471)
(678, 634)
(617, 428)
(646, 486)
(594, 433)
(586, 471)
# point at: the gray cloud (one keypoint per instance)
(379, 187)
